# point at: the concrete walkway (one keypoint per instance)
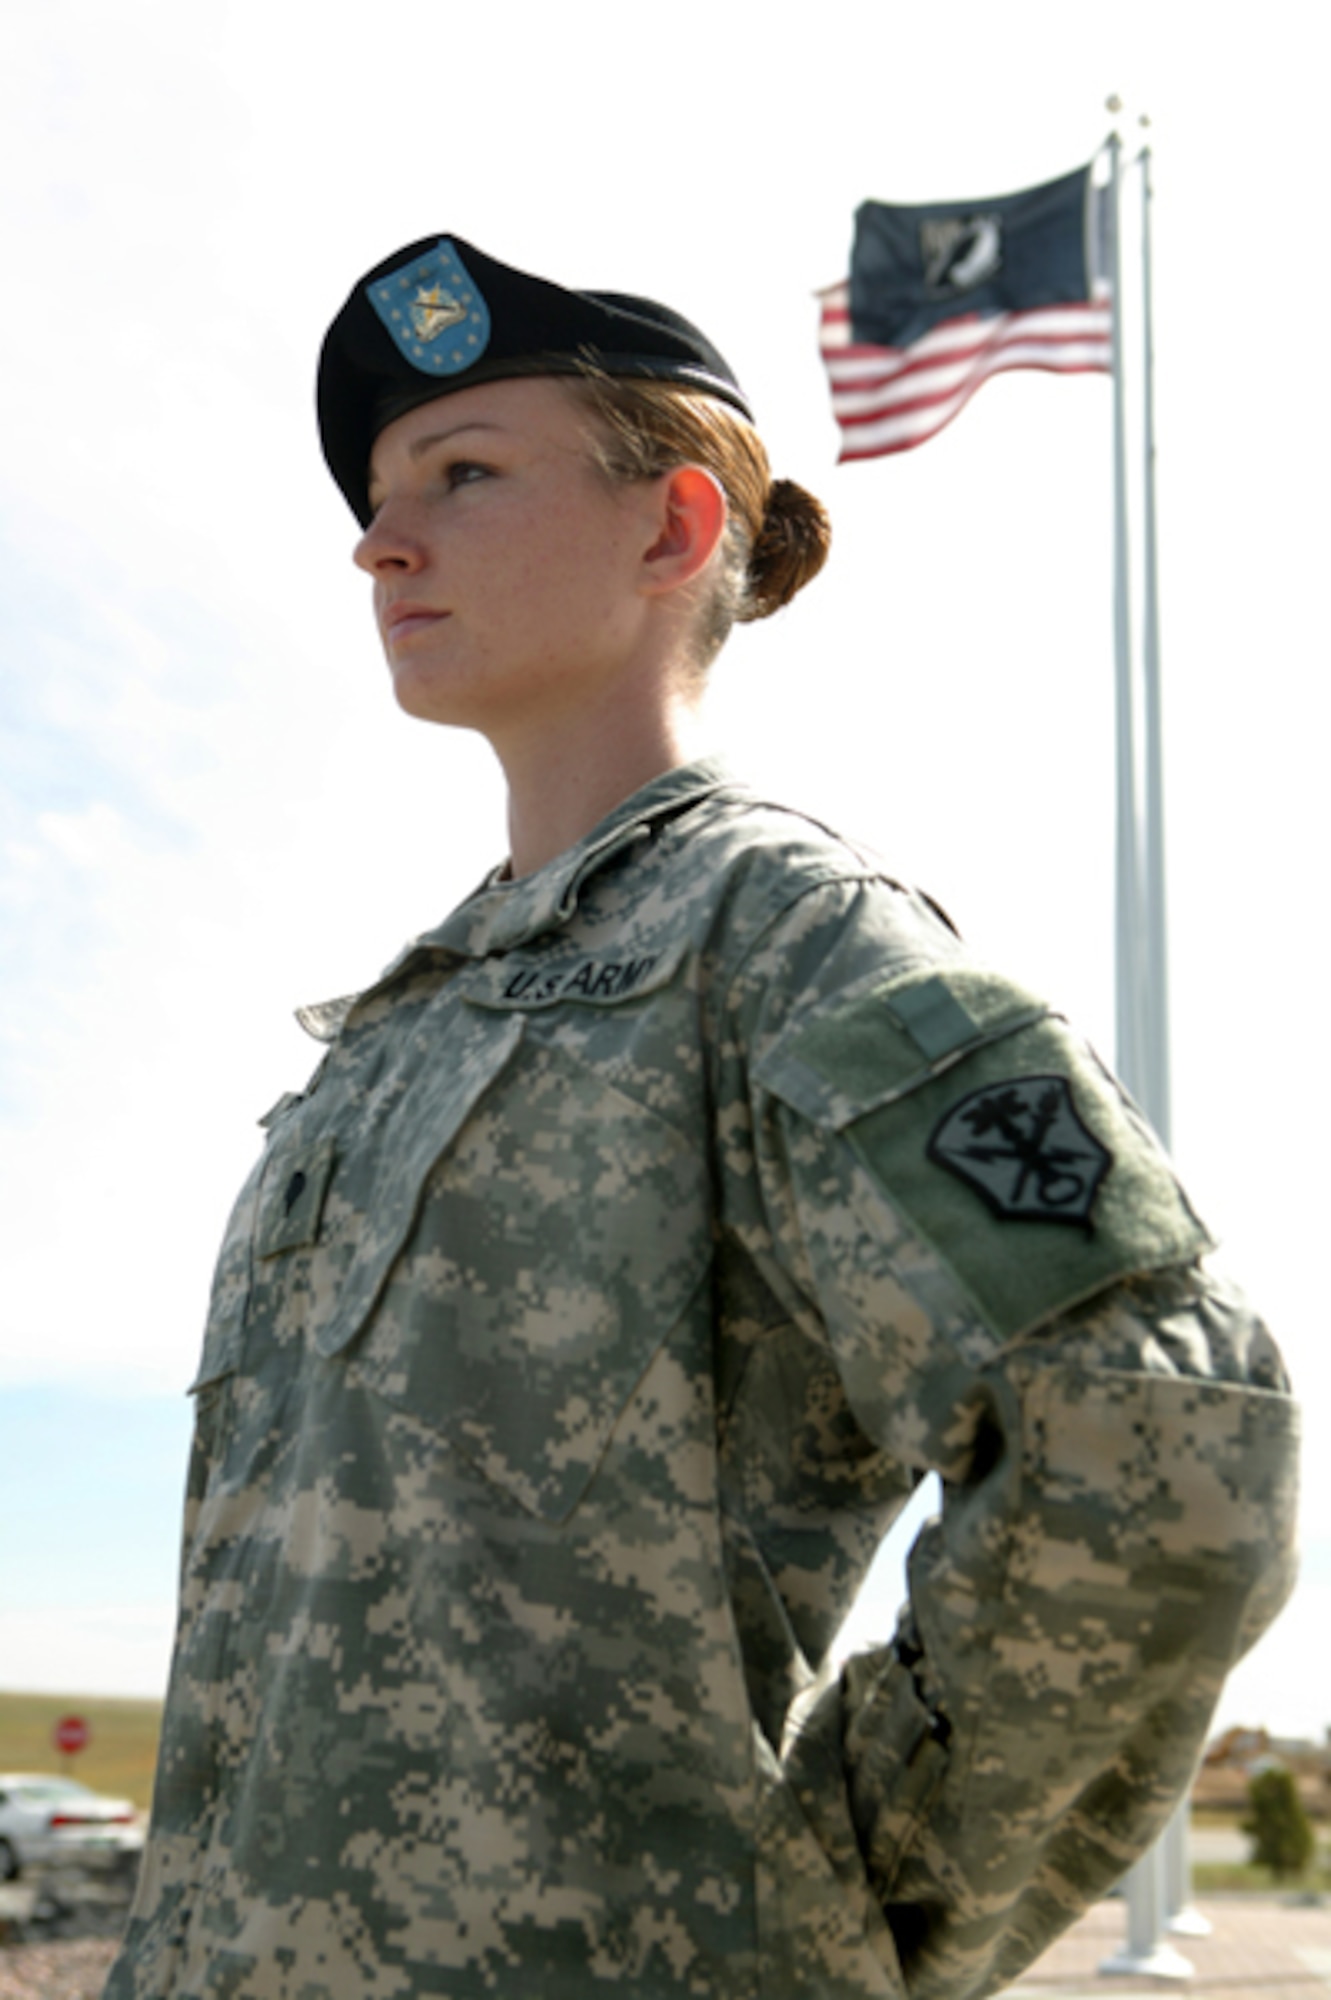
(1260, 1948)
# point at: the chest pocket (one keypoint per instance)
(319, 1222)
(555, 1246)
(225, 1328)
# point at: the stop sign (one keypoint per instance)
(70, 1734)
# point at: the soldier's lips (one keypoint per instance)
(402, 622)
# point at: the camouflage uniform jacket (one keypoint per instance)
(648, 1230)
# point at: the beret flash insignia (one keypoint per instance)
(433, 310)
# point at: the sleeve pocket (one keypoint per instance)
(997, 1131)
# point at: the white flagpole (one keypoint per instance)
(1127, 973)
(1180, 1913)
(1155, 1079)
(1141, 1022)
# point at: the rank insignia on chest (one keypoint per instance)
(1022, 1147)
(434, 311)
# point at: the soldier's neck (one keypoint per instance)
(563, 780)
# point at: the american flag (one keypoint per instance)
(889, 399)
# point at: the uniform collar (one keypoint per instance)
(500, 915)
(503, 914)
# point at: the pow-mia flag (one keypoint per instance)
(944, 295)
(912, 268)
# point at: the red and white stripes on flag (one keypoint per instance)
(889, 399)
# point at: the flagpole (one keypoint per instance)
(1127, 982)
(1141, 1024)
(1180, 1913)
(1156, 1079)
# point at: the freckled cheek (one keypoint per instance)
(556, 579)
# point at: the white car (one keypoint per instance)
(44, 1820)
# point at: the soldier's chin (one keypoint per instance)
(428, 696)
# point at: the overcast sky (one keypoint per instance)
(210, 810)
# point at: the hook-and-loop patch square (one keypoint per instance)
(293, 1198)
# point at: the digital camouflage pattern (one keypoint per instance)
(584, 1326)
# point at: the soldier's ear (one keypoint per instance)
(691, 519)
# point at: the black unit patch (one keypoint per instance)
(1023, 1148)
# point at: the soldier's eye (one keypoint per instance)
(465, 471)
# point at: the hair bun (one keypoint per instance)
(790, 549)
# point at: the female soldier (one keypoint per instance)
(648, 1230)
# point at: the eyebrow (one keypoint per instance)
(417, 450)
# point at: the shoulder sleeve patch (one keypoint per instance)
(993, 1127)
(1023, 1148)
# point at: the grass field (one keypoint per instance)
(1232, 1878)
(122, 1746)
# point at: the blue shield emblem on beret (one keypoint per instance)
(435, 313)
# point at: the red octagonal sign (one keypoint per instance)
(70, 1734)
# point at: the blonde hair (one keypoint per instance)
(777, 534)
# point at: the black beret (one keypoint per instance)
(441, 315)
